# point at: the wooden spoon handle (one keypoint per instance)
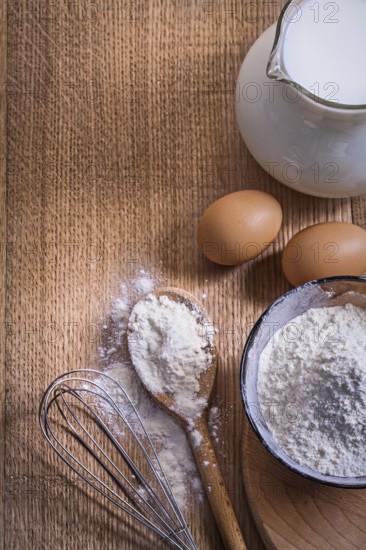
(215, 486)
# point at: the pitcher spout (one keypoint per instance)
(275, 70)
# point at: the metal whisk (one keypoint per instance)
(91, 423)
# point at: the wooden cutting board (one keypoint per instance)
(291, 512)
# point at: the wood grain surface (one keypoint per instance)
(120, 131)
(3, 30)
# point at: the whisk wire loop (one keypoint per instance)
(70, 413)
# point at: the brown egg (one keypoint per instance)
(239, 226)
(325, 250)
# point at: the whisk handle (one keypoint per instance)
(215, 486)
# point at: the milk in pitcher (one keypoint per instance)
(324, 49)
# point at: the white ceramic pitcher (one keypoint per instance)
(309, 141)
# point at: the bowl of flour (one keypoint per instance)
(303, 380)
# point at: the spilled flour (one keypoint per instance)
(169, 439)
(171, 443)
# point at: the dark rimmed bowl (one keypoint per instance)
(328, 292)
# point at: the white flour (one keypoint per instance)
(312, 389)
(143, 284)
(173, 448)
(169, 439)
(171, 346)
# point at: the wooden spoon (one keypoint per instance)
(198, 435)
